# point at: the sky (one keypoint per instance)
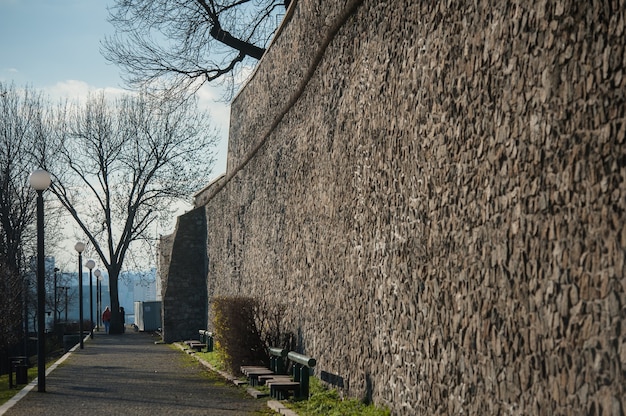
(54, 46)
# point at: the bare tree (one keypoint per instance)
(127, 162)
(176, 44)
(23, 120)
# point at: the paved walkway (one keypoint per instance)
(129, 374)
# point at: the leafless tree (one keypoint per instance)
(23, 121)
(177, 44)
(127, 162)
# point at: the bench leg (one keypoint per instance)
(279, 394)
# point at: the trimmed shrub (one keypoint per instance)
(237, 337)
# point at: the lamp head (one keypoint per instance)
(40, 179)
(98, 273)
(90, 264)
(80, 247)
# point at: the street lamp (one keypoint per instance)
(56, 299)
(90, 265)
(98, 274)
(80, 247)
(40, 181)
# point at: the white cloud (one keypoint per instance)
(11, 74)
(209, 98)
(79, 90)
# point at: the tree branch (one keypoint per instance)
(229, 40)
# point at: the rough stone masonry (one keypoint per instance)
(436, 191)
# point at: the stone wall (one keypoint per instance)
(183, 271)
(164, 253)
(438, 195)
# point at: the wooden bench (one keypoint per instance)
(299, 385)
(276, 367)
(279, 389)
(253, 373)
(282, 384)
(195, 344)
(204, 343)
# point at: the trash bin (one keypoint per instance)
(19, 365)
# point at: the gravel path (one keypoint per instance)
(129, 374)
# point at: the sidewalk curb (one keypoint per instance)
(280, 408)
(26, 389)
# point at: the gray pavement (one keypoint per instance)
(129, 374)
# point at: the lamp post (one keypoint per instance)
(90, 265)
(40, 181)
(56, 300)
(80, 247)
(98, 275)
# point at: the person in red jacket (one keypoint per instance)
(106, 318)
